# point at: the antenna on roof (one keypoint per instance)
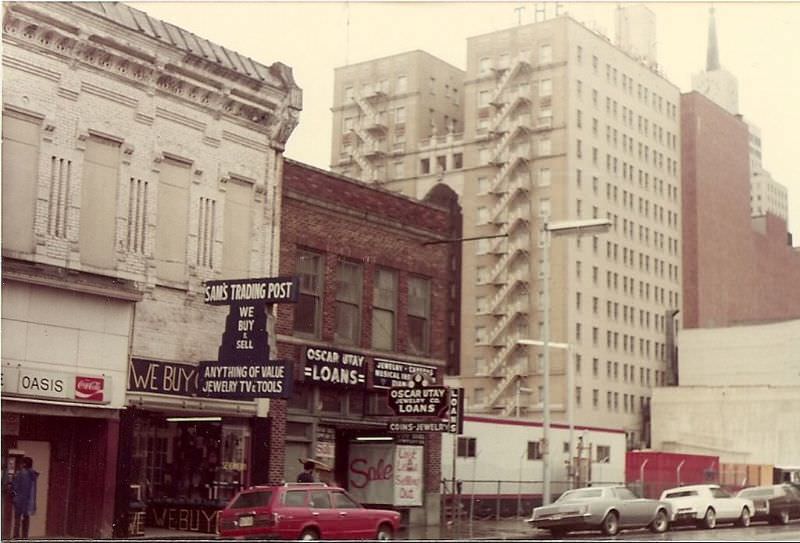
(347, 34)
(519, 11)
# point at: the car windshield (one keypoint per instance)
(580, 495)
(680, 494)
(252, 499)
(756, 493)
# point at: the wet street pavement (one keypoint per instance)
(518, 530)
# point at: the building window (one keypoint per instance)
(21, 139)
(309, 304)
(484, 65)
(482, 214)
(425, 166)
(383, 311)
(578, 396)
(349, 95)
(419, 308)
(483, 98)
(534, 450)
(467, 447)
(458, 161)
(603, 454)
(402, 84)
(172, 215)
(545, 54)
(483, 185)
(349, 281)
(546, 87)
(545, 147)
(400, 115)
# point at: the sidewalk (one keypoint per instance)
(477, 530)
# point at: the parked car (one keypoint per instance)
(608, 509)
(306, 511)
(707, 505)
(777, 504)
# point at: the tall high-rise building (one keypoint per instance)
(560, 124)
(715, 82)
(721, 87)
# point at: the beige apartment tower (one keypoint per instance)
(394, 114)
(559, 124)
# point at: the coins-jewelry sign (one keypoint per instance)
(272, 379)
(332, 367)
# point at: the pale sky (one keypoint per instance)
(759, 43)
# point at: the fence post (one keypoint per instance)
(497, 507)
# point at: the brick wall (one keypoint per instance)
(735, 268)
(342, 218)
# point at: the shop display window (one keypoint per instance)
(188, 462)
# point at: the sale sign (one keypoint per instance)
(371, 473)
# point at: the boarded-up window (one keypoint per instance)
(173, 216)
(238, 220)
(99, 201)
(20, 174)
(384, 308)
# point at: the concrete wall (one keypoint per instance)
(741, 355)
(754, 424)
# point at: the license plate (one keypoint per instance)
(245, 521)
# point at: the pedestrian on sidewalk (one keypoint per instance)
(307, 475)
(23, 489)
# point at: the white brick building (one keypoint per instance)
(138, 161)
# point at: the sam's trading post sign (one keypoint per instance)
(243, 369)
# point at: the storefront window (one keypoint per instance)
(188, 465)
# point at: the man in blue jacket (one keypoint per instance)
(23, 488)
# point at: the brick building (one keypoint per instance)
(139, 160)
(372, 290)
(736, 268)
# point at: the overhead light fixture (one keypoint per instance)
(375, 438)
(194, 419)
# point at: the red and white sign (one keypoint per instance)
(89, 389)
(371, 473)
(408, 475)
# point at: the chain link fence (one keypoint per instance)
(470, 500)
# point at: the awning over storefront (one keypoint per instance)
(32, 406)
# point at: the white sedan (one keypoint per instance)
(706, 505)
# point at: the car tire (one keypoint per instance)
(610, 524)
(744, 518)
(309, 534)
(709, 520)
(384, 533)
(660, 523)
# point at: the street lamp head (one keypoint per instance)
(589, 226)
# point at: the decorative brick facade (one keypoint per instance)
(736, 269)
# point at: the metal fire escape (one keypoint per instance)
(510, 128)
(370, 129)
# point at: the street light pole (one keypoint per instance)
(546, 369)
(590, 226)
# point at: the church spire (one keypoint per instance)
(712, 55)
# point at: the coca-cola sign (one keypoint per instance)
(89, 389)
